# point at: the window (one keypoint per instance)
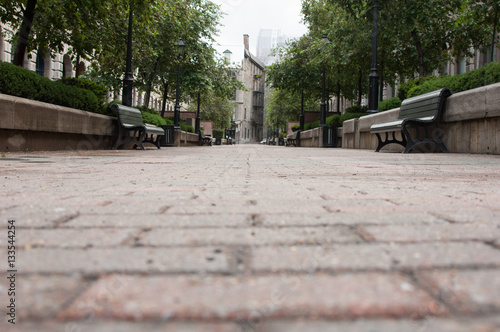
(40, 64)
(1, 45)
(67, 66)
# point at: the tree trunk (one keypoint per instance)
(494, 39)
(147, 95)
(149, 83)
(338, 97)
(24, 33)
(360, 88)
(420, 52)
(165, 98)
(77, 71)
(381, 82)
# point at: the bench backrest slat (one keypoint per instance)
(128, 115)
(429, 104)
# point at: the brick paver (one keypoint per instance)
(252, 238)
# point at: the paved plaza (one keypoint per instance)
(251, 238)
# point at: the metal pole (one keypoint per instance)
(322, 122)
(373, 92)
(323, 99)
(177, 108)
(128, 80)
(197, 122)
(302, 116)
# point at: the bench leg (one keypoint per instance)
(435, 139)
(381, 143)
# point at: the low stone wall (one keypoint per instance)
(182, 138)
(470, 124)
(27, 125)
(313, 138)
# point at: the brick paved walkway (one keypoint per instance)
(252, 238)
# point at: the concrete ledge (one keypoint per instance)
(182, 138)
(313, 138)
(24, 114)
(32, 125)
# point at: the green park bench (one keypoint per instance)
(418, 121)
(204, 139)
(131, 128)
(294, 140)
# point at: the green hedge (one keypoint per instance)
(489, 74)
(99, 90)
(405, 87)
(295, 128)
(357, 109)
(333, 121)
(389, 104)
(312, 125)
(187, 128)
(218, 133)
(24, 83)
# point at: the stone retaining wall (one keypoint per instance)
(28, 125)
(313, 138)
(470, 124)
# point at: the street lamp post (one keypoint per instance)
(197, 122)
(323, 87)
(128, 80)
(373, 92)
(302, 116)
(177, 108)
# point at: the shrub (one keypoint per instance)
(312, 125)
(405, 87)
(295, 128)
(21, 82)
(145, 109)
(154, 119)
(187, 128)
(489, 74)
(349, 116)
(99, 90)
(333, 121)
(389, 104)
(218, 133)
(357, 109)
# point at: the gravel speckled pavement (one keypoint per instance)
(251, 238)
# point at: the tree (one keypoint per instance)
(481, 20)
(49, 25)
(284, 106)
(217, 85)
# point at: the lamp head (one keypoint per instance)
(181, 46)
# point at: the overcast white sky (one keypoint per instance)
(249, 16)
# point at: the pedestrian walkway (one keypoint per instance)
(251, 238)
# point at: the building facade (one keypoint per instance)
(269, 39)
(250, 104)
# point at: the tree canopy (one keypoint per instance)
(415, 38)
(97, 30)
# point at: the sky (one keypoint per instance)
(249, 16)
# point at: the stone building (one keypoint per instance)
(250, 104)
